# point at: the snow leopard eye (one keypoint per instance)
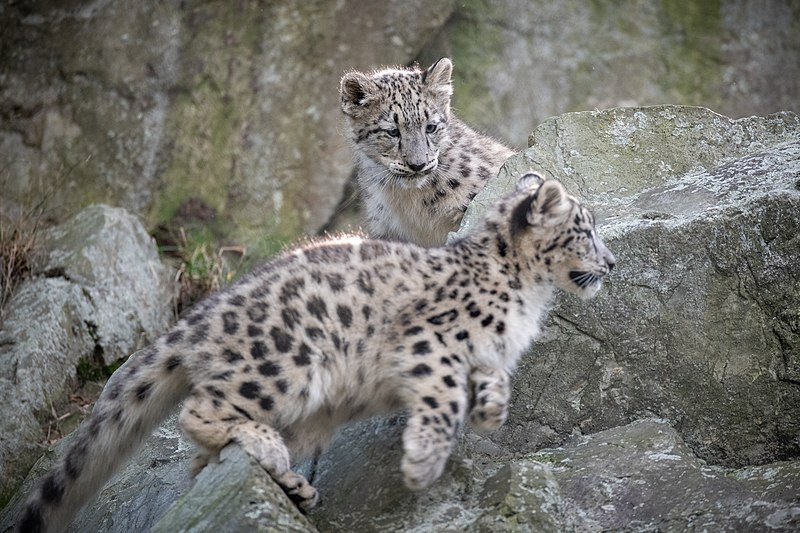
(430, 128)
(394, 132)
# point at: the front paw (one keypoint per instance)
(424, 457)
(490, 408)
(420, 472)
(489, 417)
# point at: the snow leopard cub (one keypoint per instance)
(417, 165)
(336, 331)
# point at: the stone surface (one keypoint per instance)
(518, 62)
(99, 292)
(154, 492)
(149, 104)
(607, 156)
(639, 477)
(699, 322)
(135, 498)
(107, 252)
(361, 487)
(642, 477)
(234, 495)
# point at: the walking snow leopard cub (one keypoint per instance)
(417, 165)
(340, 330)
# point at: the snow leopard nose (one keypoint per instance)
(610, 260)
(416, 167)
(606, 255)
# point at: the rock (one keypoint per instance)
(98, 293)
(642, 477)
(135, 497)
(108, 253)
(153, 105)
(639, 477)
(519, 62)
(154, 492)
(699, 322)
(234, 495)
(617, 153)
(361, 487)
(38, 355)
(522, 496)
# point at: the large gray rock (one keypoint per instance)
(698, 325)
(148, 104)
(518, 62)
(639, 477)
(699, 322)
(99, 291)
(234, 495)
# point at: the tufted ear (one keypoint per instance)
(358, 92)
(550, 205)
(437, 79)
(530, 181)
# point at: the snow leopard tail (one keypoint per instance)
(137, 397)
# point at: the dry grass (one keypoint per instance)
(17, 248)
(61, 422)
(203, 267)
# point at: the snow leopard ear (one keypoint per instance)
(437, 79)
(530, 181)
(550, 205)
(358, 92)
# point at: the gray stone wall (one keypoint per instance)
(148, 105)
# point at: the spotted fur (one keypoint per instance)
(417, 165)
(340, 330)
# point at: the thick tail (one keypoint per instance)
(137, 397)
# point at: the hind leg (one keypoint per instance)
(212, 432)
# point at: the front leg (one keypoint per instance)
(490, 394)
(437, 403)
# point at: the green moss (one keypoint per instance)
(209, 125)
(549, 458)
(474, 52)
(93, 369)
(200, 166)
(692, 31)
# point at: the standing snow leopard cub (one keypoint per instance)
(340, 330)
(417, 165)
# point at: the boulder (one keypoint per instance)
(638, 477)
(98, 292)
(233, 495)
(699, 323)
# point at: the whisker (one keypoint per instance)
(584, 279)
